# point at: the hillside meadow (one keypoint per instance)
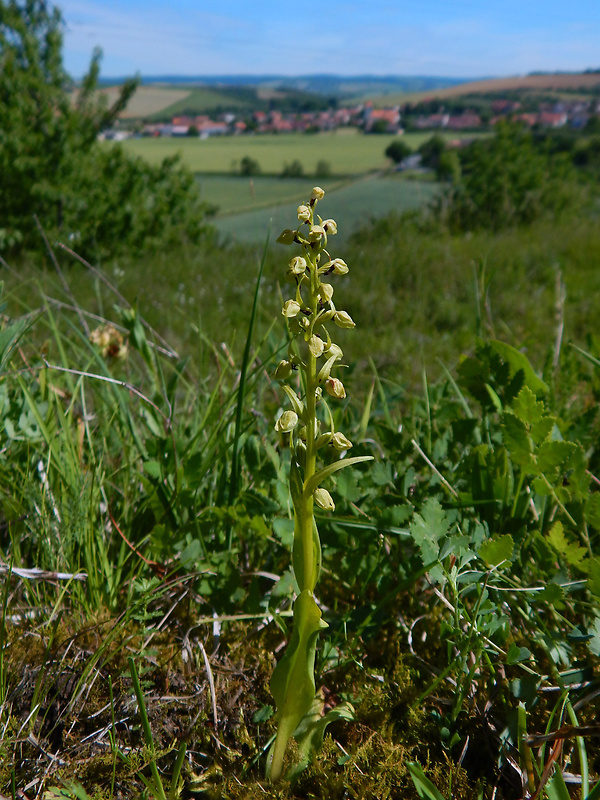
(188, 583)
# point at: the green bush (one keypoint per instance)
(508, 180)
(249, 166)
(51, 164)
(397, 151)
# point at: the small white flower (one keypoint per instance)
(339, 266)
(316, 232)
(317, 193)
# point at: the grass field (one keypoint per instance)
(234, 194)
(200, 101)
(356, 203)
(347, 151)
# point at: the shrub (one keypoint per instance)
(51, 164)
(397, 151)
(249, 166)
(292, 170)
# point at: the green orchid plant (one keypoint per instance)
(311, 359)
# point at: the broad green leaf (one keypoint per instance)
(293, 680)
(321, 474)
(556, 788)
(518, 361)
(517, 654)
(423, 785)
(497, 550)
(311, 730)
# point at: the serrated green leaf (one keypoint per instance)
(592, 510)
(593, 573)
(497, 550)
(527, 408)
(428, 529)
(542, 429)
(516, 440)
(573, 553)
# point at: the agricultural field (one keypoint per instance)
(347, 151)
(202, 100)
(147, 100)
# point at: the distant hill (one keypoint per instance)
(559, 81)
(330, 85)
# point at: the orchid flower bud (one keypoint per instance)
(340, 442)
(339, 266)
(335, 350)
(298, 265)
(343, 320)
(303, 213)
(330, 226)
(326, 292)
(323, 499)
(316, 345)
(290, 308)
(335, 388)
(317, 193)
(283, 370)
(316, 232)
(286, 422)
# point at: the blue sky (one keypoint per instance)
(454, 38)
